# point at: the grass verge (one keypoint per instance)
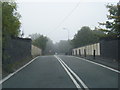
(14, 66)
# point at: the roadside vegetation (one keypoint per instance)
(11, 28)
(109, 29)
(39, 40)
(87, 36)
(14, 66)
(112, 25)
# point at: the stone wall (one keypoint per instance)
(16, 49)
(109, 48)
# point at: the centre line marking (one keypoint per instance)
(75, 75)
(72, 78)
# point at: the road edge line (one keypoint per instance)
(98, 64)
(11, 74)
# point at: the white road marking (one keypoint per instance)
(60, 60)
(75, 75)
(72, 78)
(10, 75)
(98, 64)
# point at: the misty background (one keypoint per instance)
(49, 18)
(58, 27)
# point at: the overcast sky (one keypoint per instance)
(50, 17)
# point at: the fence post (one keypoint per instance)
(85, 52)
(76, 52)
(94, 54)
(79, 52)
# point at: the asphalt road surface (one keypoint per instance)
(60, 71)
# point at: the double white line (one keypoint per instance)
(72, 75)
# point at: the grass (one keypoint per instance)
(14, 66)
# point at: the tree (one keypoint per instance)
(86, 36)
(49, 49)
(112, 25)
(39, 41)
(10, 19)
(10, 28)
(35, 36)
(98, 33)
(63, 47)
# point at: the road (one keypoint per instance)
(60, 71)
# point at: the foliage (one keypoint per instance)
(10, 28)
(39, 41)
(86, 36)
(112, 25)
(63, 47)
(34, 36)
(10, 19)
(49, 47)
